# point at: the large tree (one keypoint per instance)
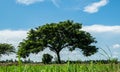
(6, 49)
(57, 36)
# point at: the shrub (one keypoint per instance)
(47, 58)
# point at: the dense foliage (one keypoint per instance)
(57, 36)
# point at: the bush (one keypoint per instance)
(47, 58)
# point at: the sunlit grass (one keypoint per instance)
(63, 68)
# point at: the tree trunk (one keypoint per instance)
(58, 57)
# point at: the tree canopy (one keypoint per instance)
(56, 36)
(6, 49)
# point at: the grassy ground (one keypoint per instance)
(62, 68)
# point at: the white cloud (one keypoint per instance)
(28, 2)
(102, 28)
(12, 36)
(94, 7)
(116, 46)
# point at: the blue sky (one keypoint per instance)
(99, 17)
(19, 14)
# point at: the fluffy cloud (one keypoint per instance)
(101, 28)
(116, 46)
(28, 2)
(12, 36)
(94, 7)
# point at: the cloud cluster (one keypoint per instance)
(12, 36)
(94, 7)
(102, 28)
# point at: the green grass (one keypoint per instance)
(63, 68)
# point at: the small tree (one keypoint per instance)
(47, 58)
(57, 36)
(6, 49)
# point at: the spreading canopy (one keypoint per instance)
(57, 36)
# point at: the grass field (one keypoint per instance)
(62, 68)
